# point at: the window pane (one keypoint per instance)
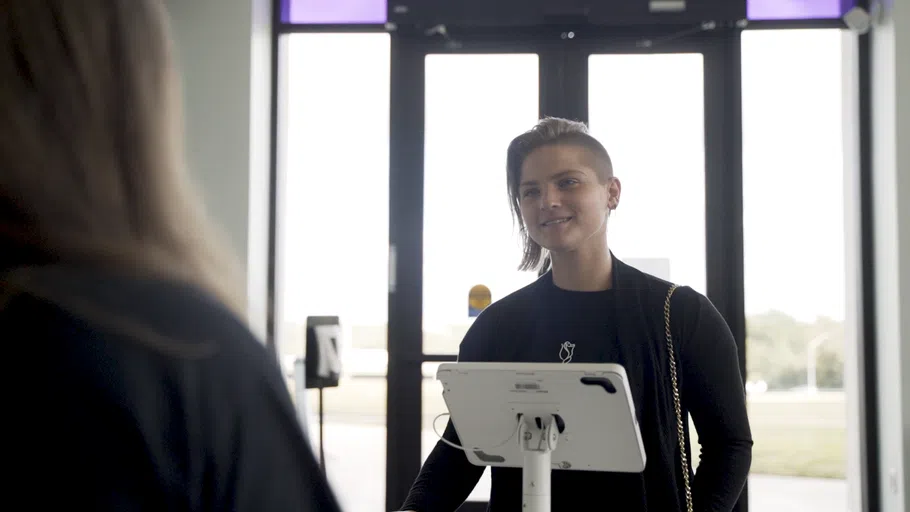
(796, 9)
(475, 105)
(648, 111)
(795, 284)
(333, 258)
(333, 11)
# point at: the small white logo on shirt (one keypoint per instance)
(566, 351)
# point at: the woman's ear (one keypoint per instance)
(614, 191)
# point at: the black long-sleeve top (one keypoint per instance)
(155, 397)
(624, 325)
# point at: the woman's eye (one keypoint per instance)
(529, 192)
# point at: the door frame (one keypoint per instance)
(563, 80)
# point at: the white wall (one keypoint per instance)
(224, 49)
(891, 176)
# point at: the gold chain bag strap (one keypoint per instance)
(680, 432)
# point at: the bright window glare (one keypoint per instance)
(648, 111)
(475, 105)
(793, 185)
(336, 209)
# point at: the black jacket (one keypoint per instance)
(623, 325)
(155, 398)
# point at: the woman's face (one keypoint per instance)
(565, 197)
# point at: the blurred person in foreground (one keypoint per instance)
(133, 382)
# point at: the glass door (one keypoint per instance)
(455, 107)
(451, 227)
(659, 113)
(664, 113)
(338, 267)
(475, 104)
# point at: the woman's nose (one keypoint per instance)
(549, 198)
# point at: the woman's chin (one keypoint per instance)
(557, 243)
(557, 246)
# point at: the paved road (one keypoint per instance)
(355, 462)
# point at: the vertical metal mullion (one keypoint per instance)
(550, 84)
(576, 74)
(405, 338)
(563, 85)
(724, 189)
(276, 89)
(870, 471)
(564, 81)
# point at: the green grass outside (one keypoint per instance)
(799, 435)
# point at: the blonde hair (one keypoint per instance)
(91, 147)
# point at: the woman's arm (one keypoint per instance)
(447, 477)
(713, 393)
(445, 480)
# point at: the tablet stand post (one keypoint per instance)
(538, 440)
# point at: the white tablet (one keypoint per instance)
(592, 402)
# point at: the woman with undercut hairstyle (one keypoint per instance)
(587, 306)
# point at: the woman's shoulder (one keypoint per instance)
(689, 309)
(497, 322)
(146, 353)
(132, 316)
(654, 288)
(135, 336)
(516, 303)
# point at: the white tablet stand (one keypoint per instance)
(567, 416)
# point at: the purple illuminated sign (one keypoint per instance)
(797, 9)
(308, 12)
